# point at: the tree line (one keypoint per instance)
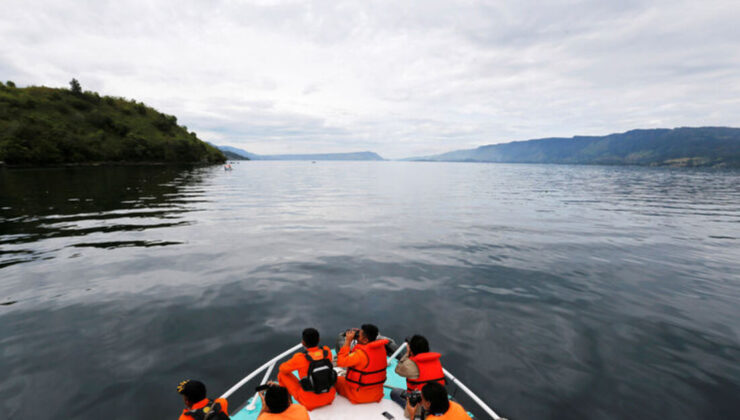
(41, 125)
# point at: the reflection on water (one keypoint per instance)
(553, 291)
(39, 206)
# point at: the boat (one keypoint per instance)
(341, 408)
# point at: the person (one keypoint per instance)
(365, 363)
(419, 366)
(276, 405)
(436, 404)
(197, 405)
(300, 362)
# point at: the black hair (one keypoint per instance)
(436, 394)
(277, 399)
(194, 391)
(419, 344)
(311, 337)
(370, 330)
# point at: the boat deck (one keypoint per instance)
(342, 409)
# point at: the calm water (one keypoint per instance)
(555, 292)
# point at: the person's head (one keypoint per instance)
(277, 399)
(434, 398)
(368, 333)
(310, 337)
(191, 391)
(418, 344)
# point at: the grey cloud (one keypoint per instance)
(402, 78)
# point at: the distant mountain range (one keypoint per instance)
(234, 156)
(703, 146)
(235, 153)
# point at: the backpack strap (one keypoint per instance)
(199, 413)
(310, 359)
(305, 353)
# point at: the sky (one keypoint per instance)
(398, 78)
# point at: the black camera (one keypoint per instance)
(414, 398)
(261, 388)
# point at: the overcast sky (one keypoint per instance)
(398, 78)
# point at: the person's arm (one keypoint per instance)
(294, 363)
(347, 359)
(264, 406)
(407, 368)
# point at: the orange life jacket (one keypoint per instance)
(374, 372)
(430, 370)
(199, 410)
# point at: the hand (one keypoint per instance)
(264, 406)
(410, 409)
(350, 335)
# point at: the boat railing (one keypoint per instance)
(270, 366)
(459, 385)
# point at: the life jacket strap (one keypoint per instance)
(366, 384)
(415, 382)
(199, 413)
(366, 372)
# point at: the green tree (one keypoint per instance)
(10, 84)
(75, 87)
(40, 125)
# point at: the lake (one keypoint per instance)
(553, 291)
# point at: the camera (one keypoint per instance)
(414, 398)
(261, 388)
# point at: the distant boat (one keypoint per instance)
(227, 167)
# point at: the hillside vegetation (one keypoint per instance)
(41, 125)
(687, 146)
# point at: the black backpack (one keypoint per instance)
(321, 375)
(209, 412)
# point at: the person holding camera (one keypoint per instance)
(276, 404)
(436, 405)
(366, 364)
(316, 387)
(197, 405)
(419, 366)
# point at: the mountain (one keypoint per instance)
(233, 156)
(686, 146)
(319, 156)
(240, 152)
(325, 156)
(41, 125)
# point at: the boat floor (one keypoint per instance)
(342, 409)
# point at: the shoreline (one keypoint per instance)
(102, 163)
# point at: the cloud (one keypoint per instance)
(398, 78)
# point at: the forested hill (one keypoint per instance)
(41, 125)
(703, 146)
